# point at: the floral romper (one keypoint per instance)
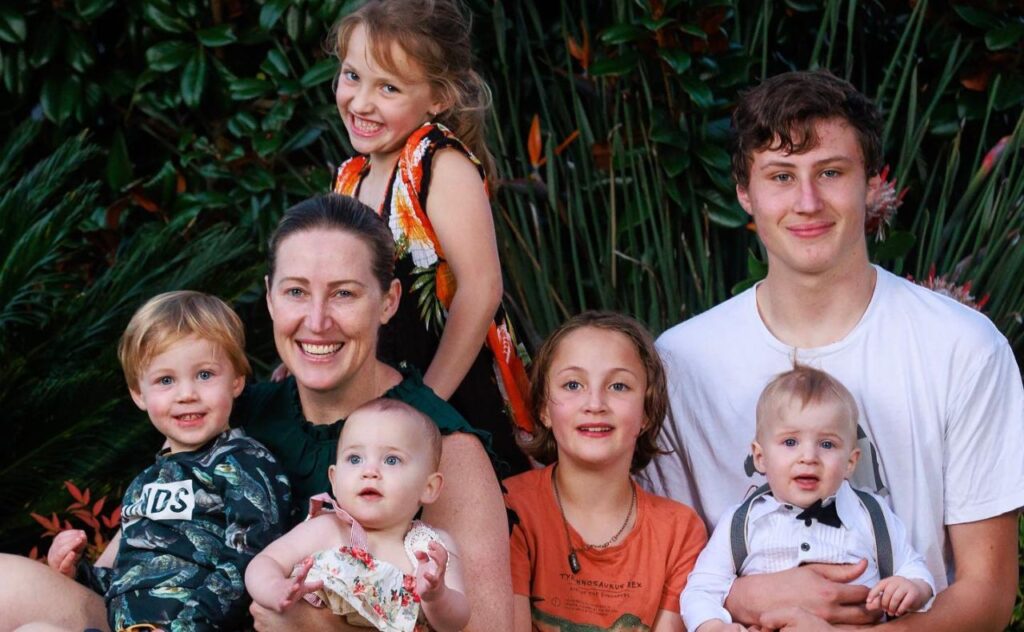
(366, 591)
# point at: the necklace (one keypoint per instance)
(574, 562)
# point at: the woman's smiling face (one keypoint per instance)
(327, 307)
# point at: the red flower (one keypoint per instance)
(946, 287)
(363, 556)
(882, 208)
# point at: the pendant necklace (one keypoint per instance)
(574, 562)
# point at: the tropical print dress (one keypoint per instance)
(494, 390)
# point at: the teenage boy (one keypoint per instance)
(939, 391)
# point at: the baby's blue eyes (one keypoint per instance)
(572, 385)
(205, 375)
(619, 387)
(354, 459)
(392, 460)
(828, 445)
(165, 381)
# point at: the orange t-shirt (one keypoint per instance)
(621, 587)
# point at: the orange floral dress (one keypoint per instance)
(495, 388)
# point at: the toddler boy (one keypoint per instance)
(192, 521)
(806, 446)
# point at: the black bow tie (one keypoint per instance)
(824, 514)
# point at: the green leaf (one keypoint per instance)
(59, 96)
(722, 211)
(694, 30)
(255, 179)
(665, 131)
(977, 17)
(1004, 36)
(79, 52)
(304, 138)
(713, 155)
(699, 91)
(169, 55)
(13, 28)
(119, 166)
(622, 34)
(163, 21)
(1011, 92)
(193, 78)
(655, 25)
(675, 161)
(271, 13)
(620, 65)
(896, 245)
(243, 124)
(293, 22)
(279, 115)
(89, 10)
(267, 143)
(319, 72)
(244, 89)
(802, 7)
(276, 64)
(677, 59)
(756, 267)
(44, 43)
(216, 36)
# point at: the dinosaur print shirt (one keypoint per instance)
(190, 523)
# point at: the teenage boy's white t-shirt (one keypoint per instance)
(938, 389)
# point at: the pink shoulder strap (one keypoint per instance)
(356, 536)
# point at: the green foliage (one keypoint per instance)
(639, 213)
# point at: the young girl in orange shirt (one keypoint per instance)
(589, 547)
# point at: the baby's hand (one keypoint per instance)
(430, 571)
(66, 550)
(899, 595)
(295, 588)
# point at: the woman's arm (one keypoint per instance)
(460, 213)
(470, 509)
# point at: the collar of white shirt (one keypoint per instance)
(847, 506)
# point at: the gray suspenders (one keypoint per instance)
(883, 543)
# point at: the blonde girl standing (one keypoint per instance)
(415, 109)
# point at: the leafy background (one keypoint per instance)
(153, 145)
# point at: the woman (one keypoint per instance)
(330, 287)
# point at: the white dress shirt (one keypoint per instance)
(777, 541)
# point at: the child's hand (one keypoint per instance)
(430, 571)
(295, 588)
(66, 550)
(899, 595)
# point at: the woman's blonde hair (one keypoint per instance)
(542, 445)
(435, 33)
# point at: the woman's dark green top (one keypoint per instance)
(271, 413)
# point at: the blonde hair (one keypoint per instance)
(542, 446)
(172, 316)
(427, 426)
(435, 33)
(808, 386)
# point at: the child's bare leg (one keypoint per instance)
(33, 593)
